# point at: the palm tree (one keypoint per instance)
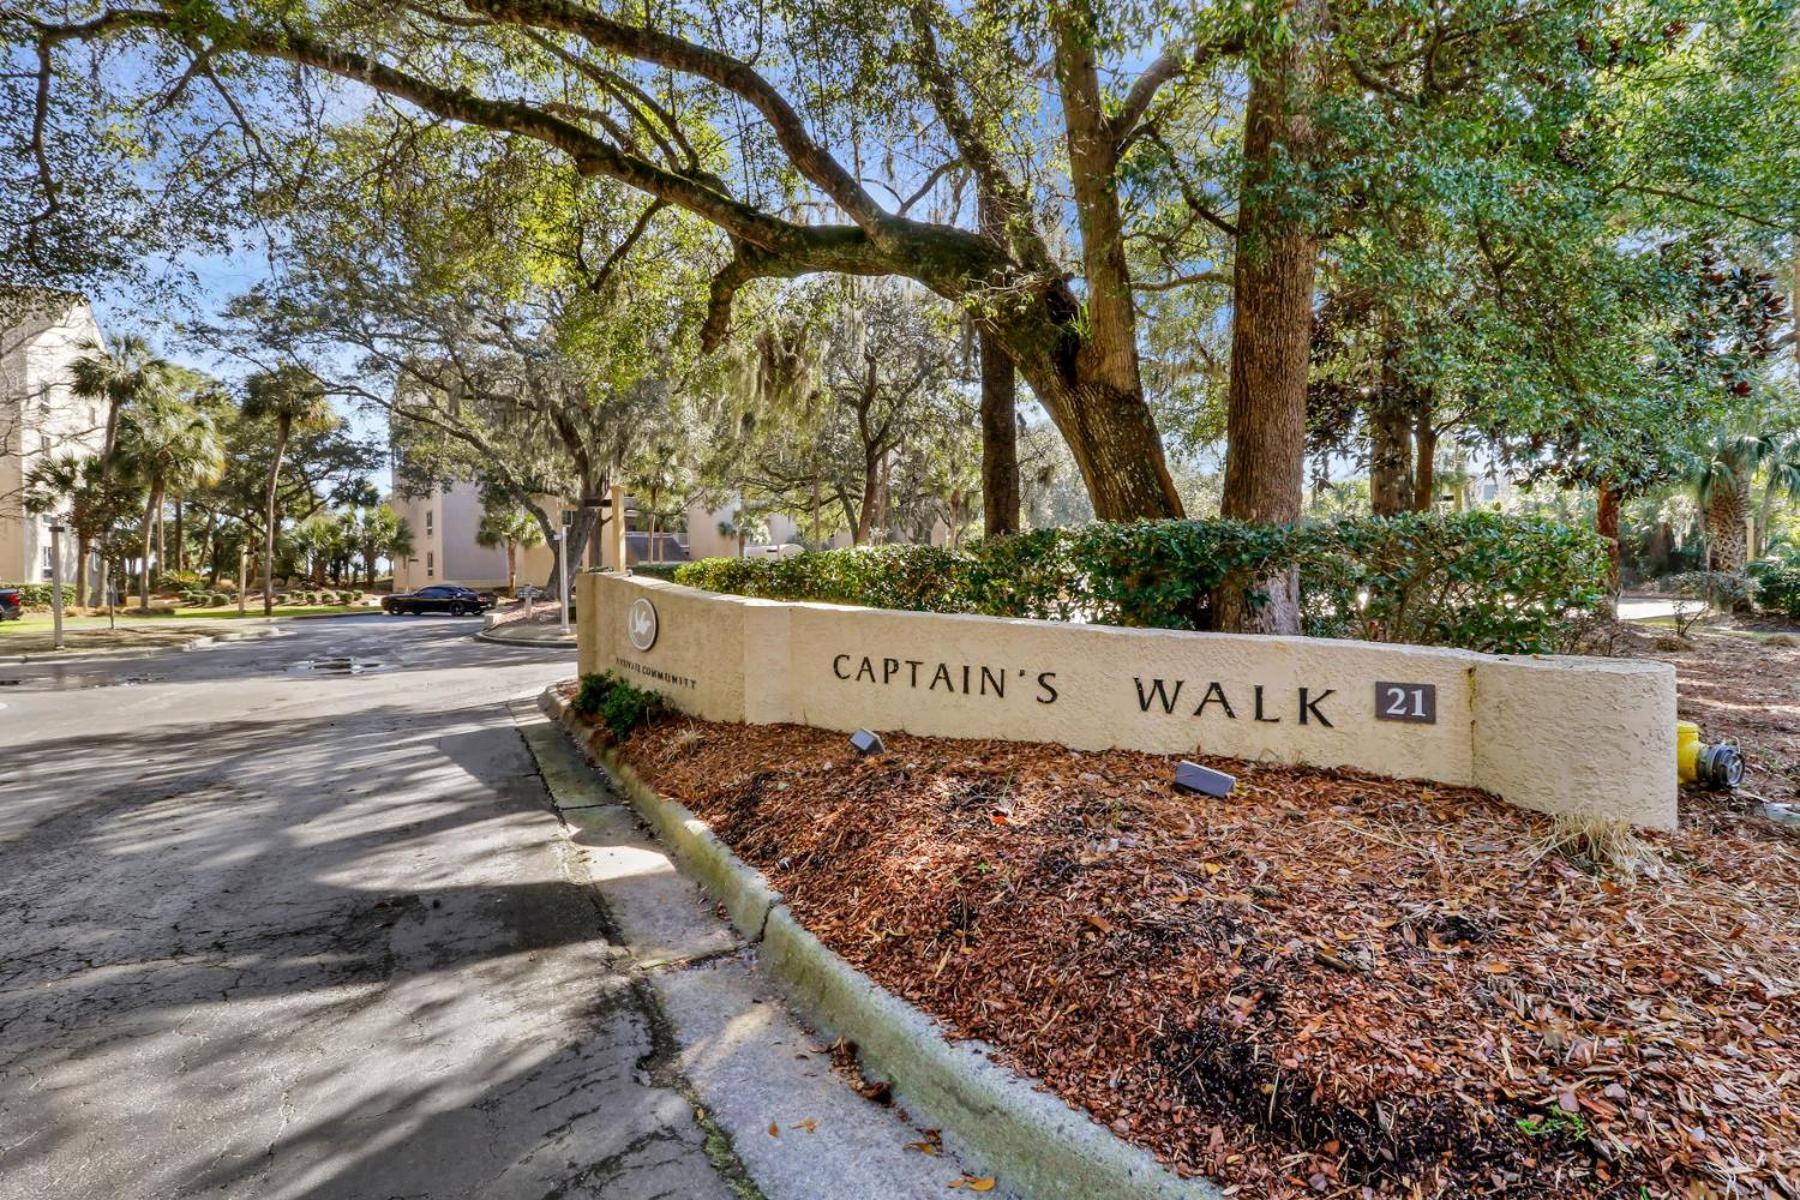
(1721, 475)
(511, 528)
(127, 375)
(317, 539)
(380, 533)
(71, 482)
(167, 444)
(743, 525)
(291, 398)
(1783, 478)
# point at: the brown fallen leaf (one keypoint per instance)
(1101, 923)
(923, 1148)
(809, 1125)
(774, 1130)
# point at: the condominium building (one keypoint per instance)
(41, 418)
(444, 522)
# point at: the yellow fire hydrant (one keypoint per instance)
(1717, 765)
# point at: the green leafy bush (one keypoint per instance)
(619, 704)
(37, 595)
(1477, 580)
(656, 570)
(1777, 587)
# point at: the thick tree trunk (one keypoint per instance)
(1606, 524)
(1390, 461)
(1425, 462)
(999, 409)
(1110, 434)
(180, 541)
(999, 440)
(1272, 319)
(1727, 541)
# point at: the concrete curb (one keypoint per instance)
(747, 897)
(490, 633)
(198, 642)
(1039, 1145)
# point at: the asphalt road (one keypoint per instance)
(278, 931)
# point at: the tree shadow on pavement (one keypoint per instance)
(335, 956)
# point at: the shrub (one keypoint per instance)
(1777, 587)
(1477, 580)
(656, 570)
(620, 705)
(37, 595)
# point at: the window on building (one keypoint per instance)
(428, 520)
(430, 561)
(49, 563)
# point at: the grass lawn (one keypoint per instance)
(36, 623)
(254, 611)
(33, 633)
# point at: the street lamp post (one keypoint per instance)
(56, 591)
(562, 573)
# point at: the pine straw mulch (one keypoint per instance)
(1327, 984)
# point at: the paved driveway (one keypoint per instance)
(280, 932)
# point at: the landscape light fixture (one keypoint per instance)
(1196, 780)
(866, 742)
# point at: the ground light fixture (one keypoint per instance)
(866, 742)
(1196, 780)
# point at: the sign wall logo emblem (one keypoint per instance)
(640, 623)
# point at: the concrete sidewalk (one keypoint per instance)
(800, 1129)
(526, 633)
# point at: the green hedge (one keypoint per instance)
(1777, 587)
(1477, 580)
(37, 595)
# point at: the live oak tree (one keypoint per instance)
(513, 68)
(521, 329)
(853, 399)
(845, 140)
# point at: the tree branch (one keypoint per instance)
(647, 45)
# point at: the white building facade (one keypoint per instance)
(42, 418)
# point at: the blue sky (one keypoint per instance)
(201, 286)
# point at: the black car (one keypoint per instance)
(441, 598)
(12, 604)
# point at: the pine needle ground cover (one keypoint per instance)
(1327, 984)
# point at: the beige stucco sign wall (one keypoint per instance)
(1563, 735)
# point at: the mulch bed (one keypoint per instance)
(1327, 984)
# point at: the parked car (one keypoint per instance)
(439, 598)
(12, 604)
